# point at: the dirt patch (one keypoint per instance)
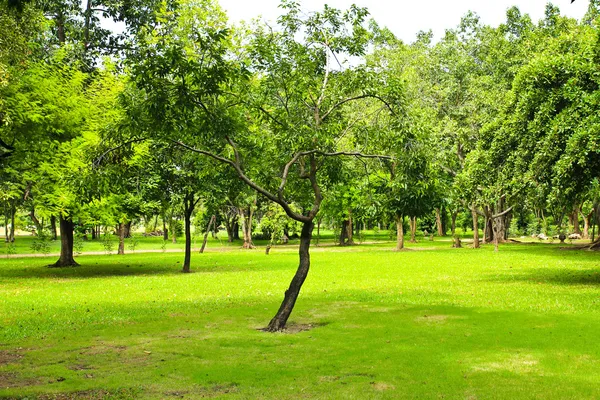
(94, 394)
(79, 367)
(12, 380)
(296, 328)
(7, 357)
(382, 386)
(102, 349)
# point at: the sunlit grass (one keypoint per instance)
(436, 323)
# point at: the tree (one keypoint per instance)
(295, 99)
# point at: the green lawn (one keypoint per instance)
(370, 323)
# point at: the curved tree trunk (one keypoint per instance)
(66, 244)
(399, 232)
(211, 222)
(280, 319)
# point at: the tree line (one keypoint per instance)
(324, 118)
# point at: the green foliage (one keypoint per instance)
(107, 242)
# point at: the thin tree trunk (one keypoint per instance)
(6, 234)
(13, 211)
(399, 232)
(453, 227)
(188, 209)
(165, 231)
(121, 250)
(280, 319)
(413, 229)
(38, 226)
(343, 233)
(586, 225)
(318, 231)
(66, 244)
(475, 228)
(211, 222)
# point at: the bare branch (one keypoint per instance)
(362, 96)
(98, 160)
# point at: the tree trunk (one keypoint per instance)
(576, 228)
(66, 244)
(246, 217)
(280, 319)
(489, 231)
(188, 209)
(127, 233)
(173, 227)
(211, 222)
(475, 228)
(438, 222)
(413, 229)
(93, 232)
(344, 233)
(122, 229)
(586, 224)
(349, 229)
(13, 212)
(6, 234)
(236, 231)
(453, 227)
(38, 226)
(399, 232)
(165, 231)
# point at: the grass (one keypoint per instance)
(370, 323)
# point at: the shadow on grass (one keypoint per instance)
(557, 276)
(103, 269)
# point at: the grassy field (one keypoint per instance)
(370, 323)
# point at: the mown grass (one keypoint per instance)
(370, 323)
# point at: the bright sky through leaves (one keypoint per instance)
(405, 18)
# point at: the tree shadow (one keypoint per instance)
(559, 276)
(103, 269)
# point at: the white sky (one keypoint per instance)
(406, 17)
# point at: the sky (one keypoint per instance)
(405, 18)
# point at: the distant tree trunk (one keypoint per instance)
(280, 319)
(93, 231)
(66, 243)
(413, 229)
(173, 227)
(121, 231)
(165, 231)
(246, 218)
(576, 228)
(489, 231)
(188, 208)
(586, 225)
(344, 233)
(13, 212)
(6, 234)
(236, 231)
(399, 232)
(155, 223)
(475, 227)
(38, 226)
(349, 235)
(211, 222)
(438, 222)
(127, 232)
(453, 227)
